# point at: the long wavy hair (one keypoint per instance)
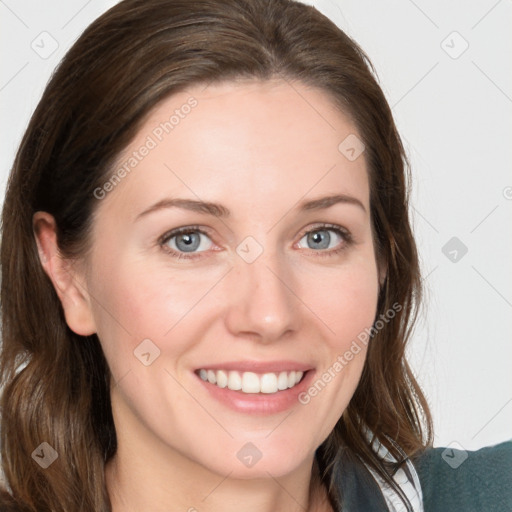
(56, 383)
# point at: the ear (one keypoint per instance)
(69, 283)
(383, 273)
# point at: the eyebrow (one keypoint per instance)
(220, 211)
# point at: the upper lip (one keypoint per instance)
(259, 366)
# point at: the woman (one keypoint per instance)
(209, 276)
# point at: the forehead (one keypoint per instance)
(247, 141)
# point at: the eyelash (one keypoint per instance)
(343, 233)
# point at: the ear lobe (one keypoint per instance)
(67, 281)
(383, 273)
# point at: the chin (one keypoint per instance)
(260, 458)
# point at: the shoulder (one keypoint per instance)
(356, 489)
(456, 479)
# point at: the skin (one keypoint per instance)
(258, 148)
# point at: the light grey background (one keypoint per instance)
(453, 109)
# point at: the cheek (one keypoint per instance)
(345, 302)
(344, 299)
(138, 300)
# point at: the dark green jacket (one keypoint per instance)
(451, 481)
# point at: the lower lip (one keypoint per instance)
(259, 403)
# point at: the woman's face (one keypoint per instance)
(259, 284)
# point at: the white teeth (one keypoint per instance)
(222, 379)
(250, 382)
(282, 381)
(269, 383)
(234, 381)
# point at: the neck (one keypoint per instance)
(141, 479)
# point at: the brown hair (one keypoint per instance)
(56, 384)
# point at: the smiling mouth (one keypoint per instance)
(251, 382)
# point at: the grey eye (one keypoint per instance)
(189, 241)
(321, 238)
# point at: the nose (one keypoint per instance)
(263, 304)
